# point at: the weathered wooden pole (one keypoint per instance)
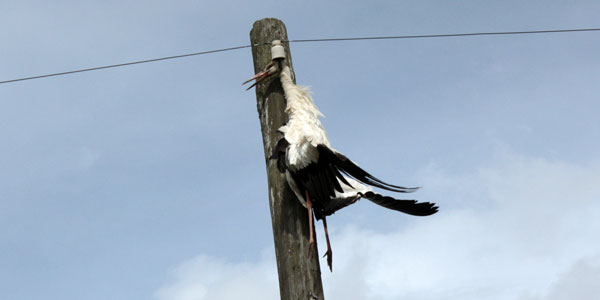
(299, 271)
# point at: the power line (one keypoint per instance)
(442, 35)
(307, 41)
(125, 64)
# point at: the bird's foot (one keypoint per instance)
(329, 255)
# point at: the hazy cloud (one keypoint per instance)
(527, 229)
(207, 277)
(580, 281)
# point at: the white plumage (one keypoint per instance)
(304, 130)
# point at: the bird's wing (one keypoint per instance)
(351, 195)
(348, 167)
(331, 191)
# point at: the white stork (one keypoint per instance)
(313, 169)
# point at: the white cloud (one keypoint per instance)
(580, 281)
(207, 277)
(516, 229)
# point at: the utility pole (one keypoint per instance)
(298, 267)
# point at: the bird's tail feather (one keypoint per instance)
(411, 207)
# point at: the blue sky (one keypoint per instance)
(148, 181)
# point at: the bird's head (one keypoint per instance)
(274, 67)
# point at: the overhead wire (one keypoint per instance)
(442, 35)
(305, 41)
(125, 64)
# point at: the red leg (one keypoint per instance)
(310, 221)
(329, 253)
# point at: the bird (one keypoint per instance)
(323, 179)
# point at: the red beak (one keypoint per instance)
(269, 70)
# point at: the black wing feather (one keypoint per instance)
(351, 169)
(279, 154)
(411, 207)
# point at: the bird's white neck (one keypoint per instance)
(299, 101)
(303, 130)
